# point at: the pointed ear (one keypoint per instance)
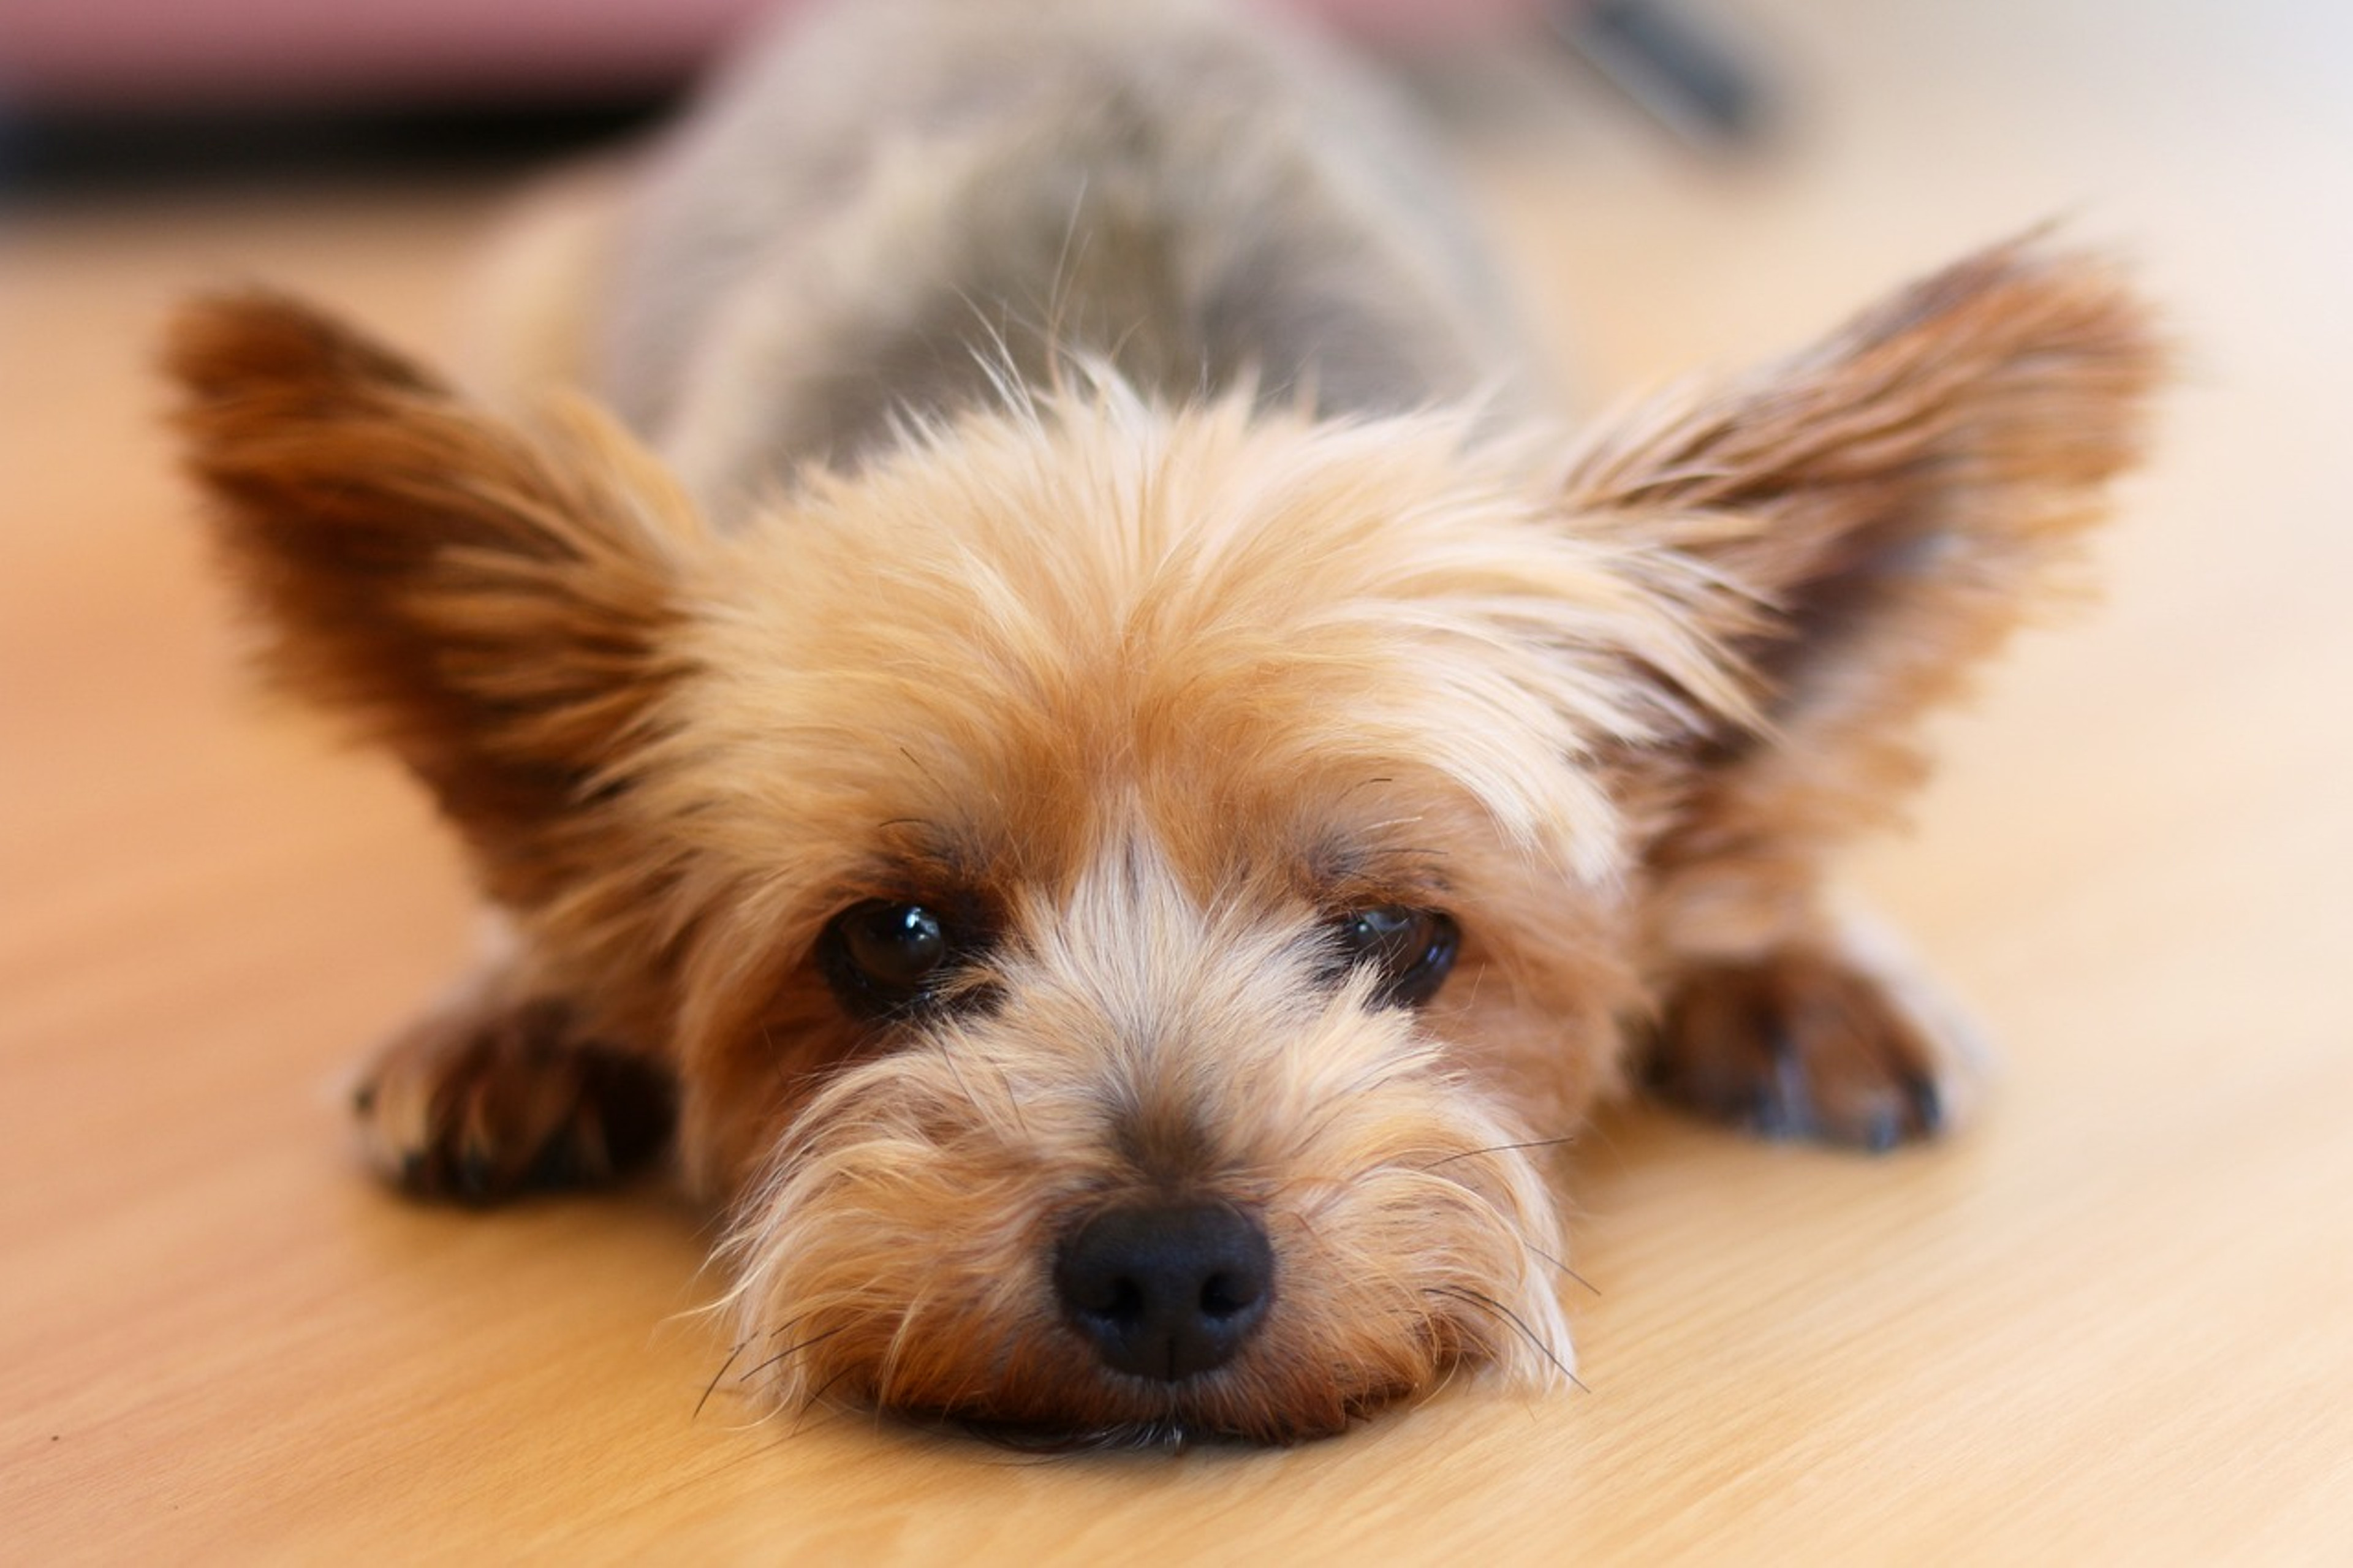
(492, 604)
(1878, 511)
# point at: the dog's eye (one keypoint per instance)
(1411, 950)
(894, 945)
(884, 958)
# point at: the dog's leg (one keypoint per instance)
(1828, 1030)
(502, 1091)
(491, 600)
(1777, 1009)
(1871, 519)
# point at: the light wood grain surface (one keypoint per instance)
(2112, 1323)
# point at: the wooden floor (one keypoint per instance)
(2113, 1323)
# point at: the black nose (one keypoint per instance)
(1167, 1290)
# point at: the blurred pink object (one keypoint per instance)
(278, 53)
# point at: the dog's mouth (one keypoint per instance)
(1168, 1435)
(1048, 1391)
(1196, 1413)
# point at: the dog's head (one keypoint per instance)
(1125, 889)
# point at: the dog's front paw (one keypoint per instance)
(484, 1102)
(1842, 1044)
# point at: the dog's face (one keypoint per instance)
(1127, 893)
(1132, 821)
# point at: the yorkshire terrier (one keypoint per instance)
(1070, 753)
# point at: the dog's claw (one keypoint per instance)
(473, 1177)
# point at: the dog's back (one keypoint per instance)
(898, 207)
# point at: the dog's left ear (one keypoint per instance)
(490, 600)
(1873, 514)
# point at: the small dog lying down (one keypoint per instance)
(1069, 758)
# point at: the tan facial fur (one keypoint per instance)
(1286, 672)
(1144, 696)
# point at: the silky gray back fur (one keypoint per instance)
(889, 207)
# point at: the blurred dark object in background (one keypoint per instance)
(1690, 79)
(95, 94)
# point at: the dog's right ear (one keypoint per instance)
(490, 602)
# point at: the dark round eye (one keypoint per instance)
(884, 958)
(1410, 949)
